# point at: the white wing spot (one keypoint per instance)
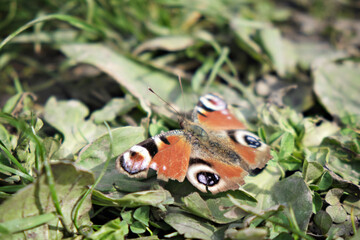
(154, 165)
(224, 112)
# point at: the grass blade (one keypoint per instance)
(71, 20)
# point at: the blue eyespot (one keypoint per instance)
(208, 178)
(252, 141)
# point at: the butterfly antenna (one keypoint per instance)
(182, 93)
(150, 89)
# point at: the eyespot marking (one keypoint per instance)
(252, 142)
(205, 178)
(208, 178)
(135, 160)
(212, 103)
(245, 138)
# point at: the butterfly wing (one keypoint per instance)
(221, 161)
(167, 153)
(223, 172)
(209, 174)
(212, 112)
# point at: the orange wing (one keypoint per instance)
(214, 176)
(167, 153)
(172, 159)
(213, 113)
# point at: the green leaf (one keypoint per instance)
(127, 216)
(333, 196)
(52, 147)
(345, 185)
(349, 171)
(195, 204)
(344, 158)
(5, 138)
(11, 103)
(218, 209)
(325, 181)
(341, 148)
(287, 145)
(330, 91)
(344, 229)
(135, 77)
(312, 171)
(258, 215)
(115, 107)
(284, 236)
(157, 128)
(323, 220)
(247, 233)
(156, 198)
(317, 202)
(285, 119)
(295, 194)
(69, 118)
(244, 30)
(191, 227)
(115, 229)
(309, 52)
(316, 130)
(321, 156)
(273, 45)
(94, 156)
(275, 136)
(23, 224)
(337, 213)
(260, 186)
(142, 215)
(70, 183)
(137, 227)
(223, 210)
(352, 205)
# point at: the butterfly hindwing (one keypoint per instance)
(214, 176)
(212, 112)
(250, 147)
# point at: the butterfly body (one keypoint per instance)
(212, 151)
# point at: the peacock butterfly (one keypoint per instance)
(213, 151)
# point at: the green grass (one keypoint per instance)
(74, 95)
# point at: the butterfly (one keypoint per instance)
(213, 151)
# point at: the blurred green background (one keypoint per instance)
(289, 70)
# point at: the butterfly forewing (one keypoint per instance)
(212, 112)
(167, 153)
